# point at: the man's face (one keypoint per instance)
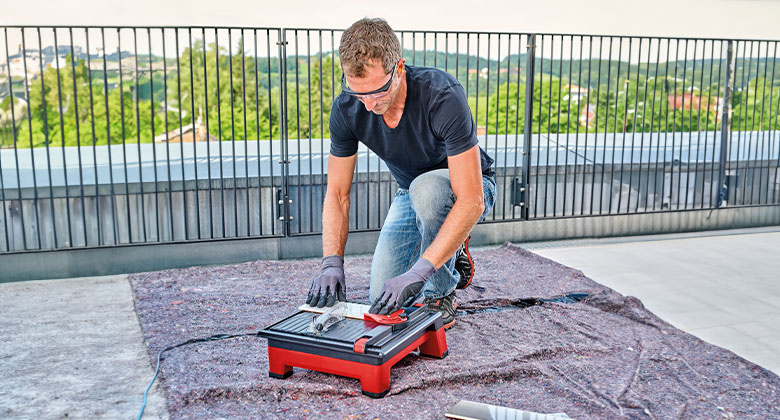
(373, 79)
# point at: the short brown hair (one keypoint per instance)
(365, 41)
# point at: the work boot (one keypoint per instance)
(464, 265)
(446, 305)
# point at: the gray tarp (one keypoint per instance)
(605, 357)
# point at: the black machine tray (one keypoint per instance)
(383, 341)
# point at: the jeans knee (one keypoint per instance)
(431, 195)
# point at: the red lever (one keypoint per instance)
(393, 318)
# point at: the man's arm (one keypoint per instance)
(466, 181)
(335, 209)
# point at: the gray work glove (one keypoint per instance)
(402, 290)
(329, 285)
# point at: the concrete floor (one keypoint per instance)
(722, 287)
(73, 349)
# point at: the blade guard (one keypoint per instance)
(396, 317)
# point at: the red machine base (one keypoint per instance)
(374, 379)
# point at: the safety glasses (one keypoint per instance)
(375, 94)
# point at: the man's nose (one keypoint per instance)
(369, 103)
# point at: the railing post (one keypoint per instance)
(527, 126)
(284, 198)
(725, 131)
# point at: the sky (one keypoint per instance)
(738, 19)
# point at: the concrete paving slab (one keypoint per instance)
(720, 286)
(73, 349)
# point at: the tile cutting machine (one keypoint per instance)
(346, 340)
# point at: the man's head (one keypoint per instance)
(372, 65)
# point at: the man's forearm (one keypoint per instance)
(335, 224)
(454, 231)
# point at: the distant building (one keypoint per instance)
(577, 93)
(588, 116)
(185, 134)
(688, 101)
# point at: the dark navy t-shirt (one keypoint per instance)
(436, 123)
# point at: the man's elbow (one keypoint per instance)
(475, 206)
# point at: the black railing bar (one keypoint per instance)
(650, 139)
(435, 50)
(270, 125)
(13, 134)
(257, 131)
(760, 123)
(219, 128)
(506, 121)
(487, 100)
(587, 127)
(333, 95)
(596, 125)
(208, 143)
(322, 121)
(614, 129)
(558, 131)
(772, 127)
(577, 132)
(468, 62)
(568, 122)
(311, 178)
(62, 139)
(425, 48)
(46, 137)
(664, 100)
(739, 135)
(690, 126)
(124, 135)
(194, 133)
(642, 127)
(633, 130)
(539, 126)
(154, 146)
(674, 125)
(682, 123)
(447, 53)
(283, 133)
(181, 139)
(233, 132)
(137, 100)
(114, 227)
(16, 149)
(167, 138)
(606, 124)
(246, 137)
(298, 129)
(698, 124)
(517, 121)
(549, 126)
(715, 127)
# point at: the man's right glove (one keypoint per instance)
(329, 285)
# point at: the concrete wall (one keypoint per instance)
(151, 257)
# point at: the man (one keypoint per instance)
(418, 121)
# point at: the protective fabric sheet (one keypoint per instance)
(601, 358)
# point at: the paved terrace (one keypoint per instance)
(73, 348)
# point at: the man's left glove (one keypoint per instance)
(329, 285)
(400, 291)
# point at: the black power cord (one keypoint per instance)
(215, 337)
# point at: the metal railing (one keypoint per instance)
(579, 125)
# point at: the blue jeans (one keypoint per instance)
(412, 223)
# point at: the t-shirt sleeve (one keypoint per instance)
(451, 120)
(342, 142)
